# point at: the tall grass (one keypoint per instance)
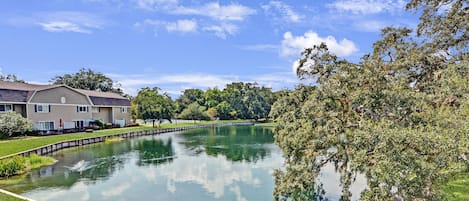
(12, 166)
(18, 164)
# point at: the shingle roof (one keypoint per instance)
(24, 86)
(21, 92)
(109, 101)
(7, 95)
(101, 94)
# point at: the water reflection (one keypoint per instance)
(154, 151)
(229, 163)
(237, 144)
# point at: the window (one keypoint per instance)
(5, 107)
(82, 109)
(42, 108)
(45, 125)
(124, 109)
(95, 110)
(79, 124)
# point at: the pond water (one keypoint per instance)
(224, 163)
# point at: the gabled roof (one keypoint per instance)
(22, 92)
(101, 94)
(24, 86)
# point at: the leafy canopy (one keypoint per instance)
(149, 104)
(89, 80)
(399, 116)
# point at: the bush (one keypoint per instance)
(99, 123)
(12, 122)
(133, 125)
(12, 166)
(108, 125)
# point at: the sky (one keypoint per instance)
(180, 44)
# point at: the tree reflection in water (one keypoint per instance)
(236, 143)
(154, 151)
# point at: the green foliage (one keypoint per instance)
(18, 164)
(149, 104)
(10, 78)
(89, 80)
(35, 161)
(12, 166)
(212, 113)
(457, 190)
(189, 96)
(399, 116)
(194, 112)
(12, 122)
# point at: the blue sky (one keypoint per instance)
(179, 44)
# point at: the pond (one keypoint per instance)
(223, 163)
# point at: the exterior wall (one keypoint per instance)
(118, 115)
(55, 95)
(104, 115)
(68, 113)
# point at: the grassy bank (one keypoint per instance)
(270, 124)
(458, 189)
(5, 197)
(17, 145)
(18, 164)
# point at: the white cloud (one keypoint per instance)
(61, 26)
(221, 17)
(231, 12)
(66, 21)
(222, 30)
(368, 6)
(155, 4)
(280, 11)
(293, 45)
(370, 25)
(259, 47)
(183, 26)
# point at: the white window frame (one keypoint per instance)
(5, 107)
(45, 125)
(44, 108)
(81, 107)
(124, 109)
(95, 110)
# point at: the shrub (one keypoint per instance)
(133, 125)
(12, 166)
(108, 125)
(12, 122)
(99, 123)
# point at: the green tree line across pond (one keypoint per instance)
(237, 100)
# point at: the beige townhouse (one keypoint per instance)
(57, 107)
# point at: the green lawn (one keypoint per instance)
(5, 197)
(270, 124)
(457, 190)
(20, 144)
